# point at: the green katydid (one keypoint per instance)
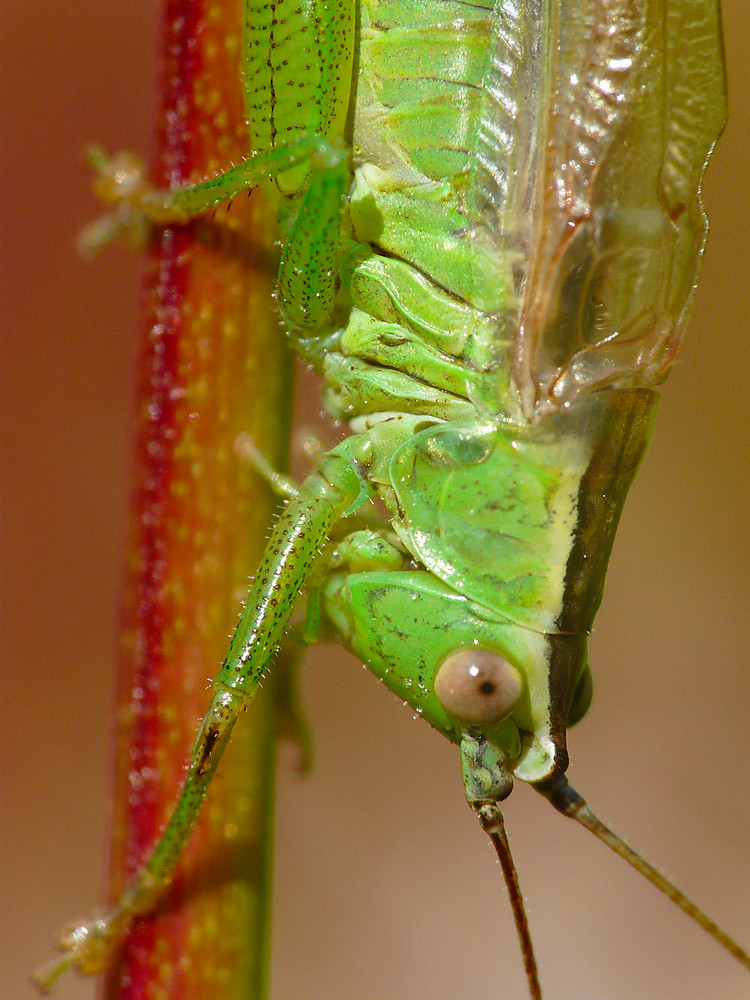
(489, 259)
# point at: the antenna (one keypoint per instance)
(567, 800)
(491, 820)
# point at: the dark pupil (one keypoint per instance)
(487, 687)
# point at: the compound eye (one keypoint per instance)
(478, 686)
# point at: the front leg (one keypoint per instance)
(331, 493)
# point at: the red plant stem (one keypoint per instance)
(210, 363)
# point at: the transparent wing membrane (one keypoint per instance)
(597, 122)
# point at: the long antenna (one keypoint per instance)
(491, 820)
(567, 800)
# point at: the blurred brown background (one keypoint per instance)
(389, 891)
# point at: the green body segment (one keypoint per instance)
(452, 207)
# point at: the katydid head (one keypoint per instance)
(460, 670)
(513, 524)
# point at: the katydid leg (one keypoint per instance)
(324, 497)
(119, 179)
(281, 485)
